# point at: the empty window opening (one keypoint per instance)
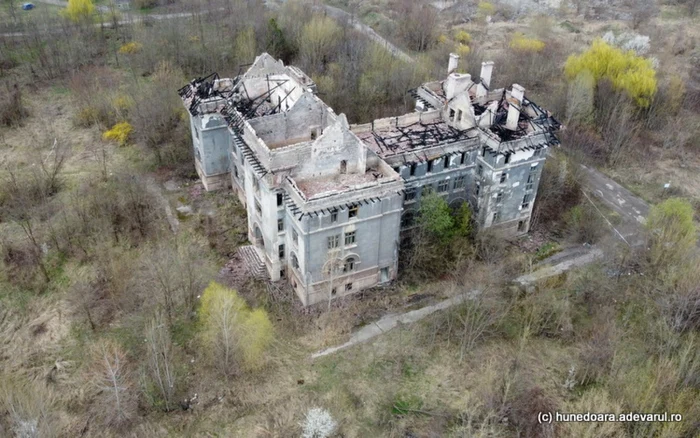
(427, 190)
(446, 163)
(477, 189)
(410, 194)
(499, 198)
(413, 169)
(314, 134)
(334, 291)
(295, 261)
(280, 225)
(350, 237)
(504, 176)
(521, 226)
(334, 216)
(463, 158)
(430, 165)
(352, 212)
(349, 265)
(343, 166)
(280, 199)
(281, 252)
(282, 273)
(348, 287)
(459, 115)
(480, 170)
(452, 114)
(496, 216)
(507, 160)
(407, 219)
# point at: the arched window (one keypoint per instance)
(295, 261)
(343, 166)
(349, 264)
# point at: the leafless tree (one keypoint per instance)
(29, 408)
(112, 378)
(160, 365)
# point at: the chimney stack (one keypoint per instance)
(486, 70)
(454, 63)
(456, 83)
(514, 102)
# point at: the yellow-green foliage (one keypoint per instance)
(122, 103)
(463, 37)
(672, 232)
(79, 10)
(119, 133)
(131, 47)
(626, 71)
(486, 8)
(524, 44)
(226, 318)
(463, 50)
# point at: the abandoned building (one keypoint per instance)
(327, 201)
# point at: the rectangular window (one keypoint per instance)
(452, 114)
(477, 189)
(483, 151)
(258, 208)
(446, 163)
(459, 182)
(499, 197)
(280, 199)
(430, 165)
(348, 287)
(526, 201)
(295, 237)
(480, 170)
(256, 184)
(496, 216)
(463, 158)
(350, 238)
(333, 241)
(410, 194)
(413, 169)
(537, 154)
(352, 212)
(443, 186)
(507, 159)
(459, 115)
(334, 216)
(504, 176)
(281, 251)
(280, 225)
(282, 273)
(235, 171)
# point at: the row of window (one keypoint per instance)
(334, 240)
(442, 187)
(445, 163)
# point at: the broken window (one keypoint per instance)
(281, 252)
(348, 287)
(526, 201)
(463, 158)
(280, 199)
(295, 261)
(480, 170)
(507, 160)
(452, 114)
(334, 216)
(413, 169)
(443, 186)
(446, 163)
(280, 225)
(282, 273)
(430, 165)
(343, 166)
(350, 238)
(459, 182)
(314, 133)
(352, 212)
(333, 241)
(499, 197)
(410, 194)
(349, 264)
(496, 216)
(504, 176)
(521, 226)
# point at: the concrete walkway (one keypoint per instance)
(529, 280)
(392, 320)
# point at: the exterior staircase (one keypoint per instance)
(252, 259)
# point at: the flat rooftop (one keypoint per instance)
(339, 183)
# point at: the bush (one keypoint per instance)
(131, 47)
(12, 109)
(524, 44)
(671, 231)
(119, 133)
(79, 10)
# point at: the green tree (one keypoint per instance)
(318, 38)
(79, 11)
(435, 218)
(671, 231)
(234, 336)
(626, 71)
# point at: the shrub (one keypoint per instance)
(79, 10)
(12, 109)
(119, 133)
(463, 37)
(626, 71)
(672, 232)
(130, 47)
(524, 44)
(318, 424)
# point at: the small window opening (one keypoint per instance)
(503, 177)
(446, 164)
(521, 226)
(352, 212)
(343, 166)
(413, 169)
(430, 165)
(334, 216)
(348, 287)
(452, 114)
(463, 158)
(280, 199)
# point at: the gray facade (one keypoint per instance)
(326, 201)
